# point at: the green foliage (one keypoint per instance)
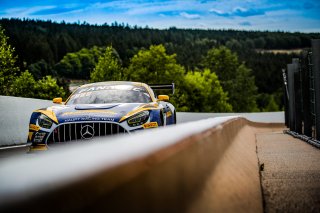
(236, 79)
(23, 85)
(47, 88)
(41, 68)
(196, 91)
(26, 86)
(8, 68)
(244, 91)
(267, 103)
(223, 62)
(108, 67)
(202, 92)
(154, 66)
(68, 51)
(79, 64)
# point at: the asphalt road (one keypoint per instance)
(6, 152)
(264, 117)
(291, 173)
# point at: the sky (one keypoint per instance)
(272, 15)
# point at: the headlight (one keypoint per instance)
(138, 119)
(44, 121)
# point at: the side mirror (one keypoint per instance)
(57, 100)
(163, 98)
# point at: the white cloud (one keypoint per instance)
(216, 11)
(24, 11)
(190, 16)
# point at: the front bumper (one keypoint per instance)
(74, 131)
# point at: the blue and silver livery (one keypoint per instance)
(101, 109)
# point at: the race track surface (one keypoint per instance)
(291, 173)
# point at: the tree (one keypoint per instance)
(40, 69)
(45, 88)
(154, 66)
(79, 65)
(108, 67)
(267, 103)
(23, 86)
(244, 91)
(70, 66)
(8, 68)
(202, 92)
(236, 79)
(223, 62)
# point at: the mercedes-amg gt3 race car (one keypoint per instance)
(100, 109)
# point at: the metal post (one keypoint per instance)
(316, 71)
(290, 68)
(297, 96)
(307, 118)
(285, 97)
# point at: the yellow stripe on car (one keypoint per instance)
(30, 135)
(49, 113)
(140, 109)
(34, 127)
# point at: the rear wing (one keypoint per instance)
(163, 87)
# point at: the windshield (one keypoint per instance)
(110, 94)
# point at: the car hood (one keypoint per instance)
(95, 112)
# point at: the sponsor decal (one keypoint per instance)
(34, 127)
(88, 118)
(39, 136)
(150, 125)
(109, 87)
(90, 111)
(169, 113)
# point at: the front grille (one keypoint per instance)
(81, 131)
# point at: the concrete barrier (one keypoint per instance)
(14, 119)
(205, 166)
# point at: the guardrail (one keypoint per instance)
(302, 95)
(204, 166)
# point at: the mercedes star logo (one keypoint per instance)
(87, 132)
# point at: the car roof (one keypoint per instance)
(105, 83)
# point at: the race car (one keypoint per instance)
(100, 109)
